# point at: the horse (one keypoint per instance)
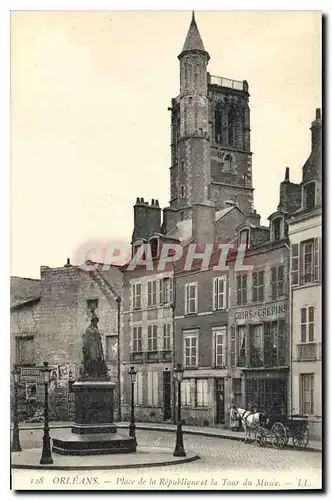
(250, 421)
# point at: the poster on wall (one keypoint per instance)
(31, 391)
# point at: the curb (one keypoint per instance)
(122, 425)
(211, 434)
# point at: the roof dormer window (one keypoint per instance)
(309, 195)
(154, 246)
(277, 229)
(244, 237)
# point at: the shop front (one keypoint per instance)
(260, 348)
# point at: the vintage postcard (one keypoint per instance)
(166, 187)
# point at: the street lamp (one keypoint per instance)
(179, 449)
(16, 446)
(46, 457)
(132, 427)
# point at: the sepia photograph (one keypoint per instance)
(166, 250)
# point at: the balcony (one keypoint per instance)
(226, 82)
(151, 356)
(308, 352)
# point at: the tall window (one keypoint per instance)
(137, 339)
(219, 350)
(166, 290)
(256, 346)
(185, 392)
(152, 293)
(307, 394)
(277, 281)
(191, 351)
(308, 261)
(167, 337)
(309, 195)
(201, 392)
(233, 360)
(25, 351)
(295, 264)
(219, 293)
(153, 398)
(307, 324)
(231, 127)
(218, 124)
(152, 338)
(191, 295)
(241, 336)
(258, 286)
(137, 295)
(241, 289)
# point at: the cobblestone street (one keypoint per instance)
(216, 455)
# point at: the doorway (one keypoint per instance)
(167, 388)
(220, 400)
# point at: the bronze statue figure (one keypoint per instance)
(93, 356)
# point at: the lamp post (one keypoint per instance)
(46, 457)
(16, 446)
(132, 427)
(179, 449)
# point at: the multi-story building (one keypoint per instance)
(305, 235)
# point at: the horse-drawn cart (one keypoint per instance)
(279, 429)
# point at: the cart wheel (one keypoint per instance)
(301, 438)
(279, 435)
(261, 437)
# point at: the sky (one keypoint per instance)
(90, 129)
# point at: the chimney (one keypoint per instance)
(140, 220)
(316, 130)
(254, 218)
(169, 220)
(286, 175)
(203, 223)
(68, 264)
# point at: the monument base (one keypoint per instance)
(94, 431)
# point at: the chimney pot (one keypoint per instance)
(142, 200)
(318, 114)
(157, 203)
(152, 201)
(137, 199)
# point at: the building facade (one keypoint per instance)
(305, 235)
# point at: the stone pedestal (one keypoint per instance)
(94, 431)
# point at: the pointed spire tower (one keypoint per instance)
(191, 179)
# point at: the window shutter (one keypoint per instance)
(150, 388)
(215, 293)
(221, 292)
(171, 290)
(317, 259)
(196, 298)
(295, 264)
(155, 389)
(186, 299)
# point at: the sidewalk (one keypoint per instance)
(215, 432)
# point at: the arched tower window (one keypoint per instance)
(277, 229)
(218, 124)
(231, 127)
(245, 237)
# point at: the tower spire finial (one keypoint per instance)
(193, 20)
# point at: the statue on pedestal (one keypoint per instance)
(93, 356)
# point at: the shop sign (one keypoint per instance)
(262, 312)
